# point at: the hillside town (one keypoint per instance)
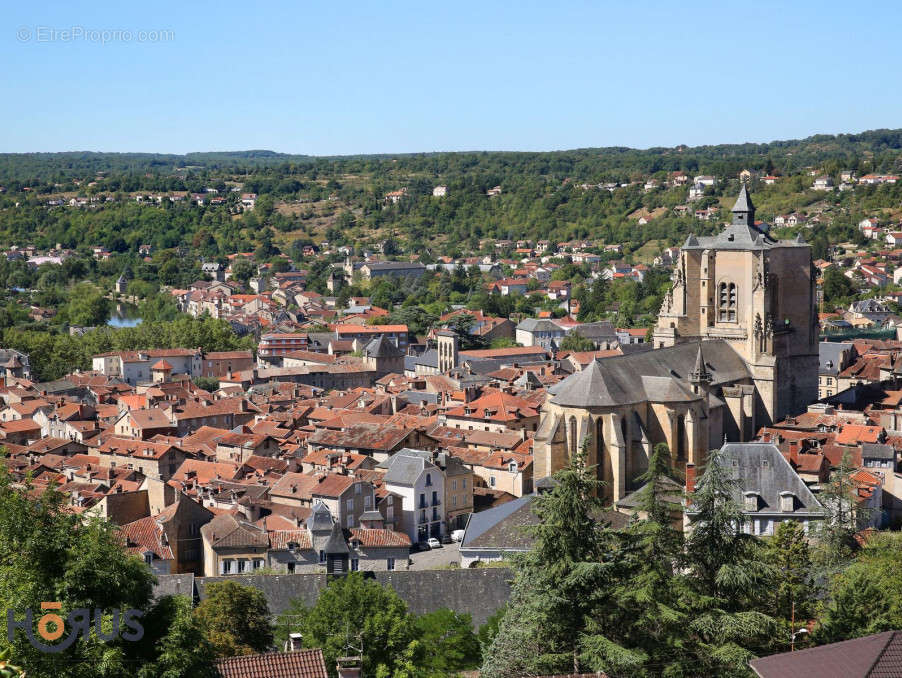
(351, 434)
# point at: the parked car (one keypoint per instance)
(434, 543)
(446, 539)
(423, 545)
(457, 535)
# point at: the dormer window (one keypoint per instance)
(751, 501)
(787, 501)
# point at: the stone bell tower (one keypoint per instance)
(758, 295)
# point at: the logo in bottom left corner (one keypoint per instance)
(51, 626)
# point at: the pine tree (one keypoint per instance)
(559, 585)
(727, 575)
(793, 589)
(843, 516)
(651, 594)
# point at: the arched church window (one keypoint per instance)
(681, 438)
(572, 435)
(727, 301)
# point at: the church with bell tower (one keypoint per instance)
(735, 348)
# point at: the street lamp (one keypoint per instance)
(792, 639)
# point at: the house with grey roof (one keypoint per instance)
(421, 485)
(833, 358)
(766, 487)
(498, 532)
(539, 332)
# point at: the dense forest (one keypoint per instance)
(303, 199)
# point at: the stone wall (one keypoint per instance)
(479, 592)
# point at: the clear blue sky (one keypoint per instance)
(367, 77)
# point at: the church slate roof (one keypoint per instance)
(742, 234)
(652, 376)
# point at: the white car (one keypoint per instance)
(457, 535)
(434, 543)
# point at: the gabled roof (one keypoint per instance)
(762, 469)
(299, 664)
(875, 656)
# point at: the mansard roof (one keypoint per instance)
(661, 375)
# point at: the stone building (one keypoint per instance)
(736, 348)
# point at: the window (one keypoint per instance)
(389, 564)
(727, 296)
(390, 513)
(454, 484)
(258, 563)
(367, 502)
(492, 481)
(349, 506)
(751, 501)
(357, 488)
(225, 566)
(148, 557)
(355, 564)
(463, 483)
(787, 501)
(322, 556)
(290, 568)
(454, 500)
(428, 480)
(349, 521)
(242, 565)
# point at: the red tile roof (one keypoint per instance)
(299, 664)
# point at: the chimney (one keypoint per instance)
(794, 452)
(348, 667)
(690, 478)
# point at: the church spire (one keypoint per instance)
(744, 211)
(699, 375)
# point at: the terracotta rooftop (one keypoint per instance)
(299, 664)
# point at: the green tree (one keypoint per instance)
(866, 597)
(551, 624)
(86, 305)
(652, 592)
(574, 341)
(837, 286)
(51, 554)
(356, 611)
(487, 632)
(727, 575)
(843, 516)
(789, 555)
(182, 650)
(243, 270)
(461, 325)
(235, 619)
(447, 641)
